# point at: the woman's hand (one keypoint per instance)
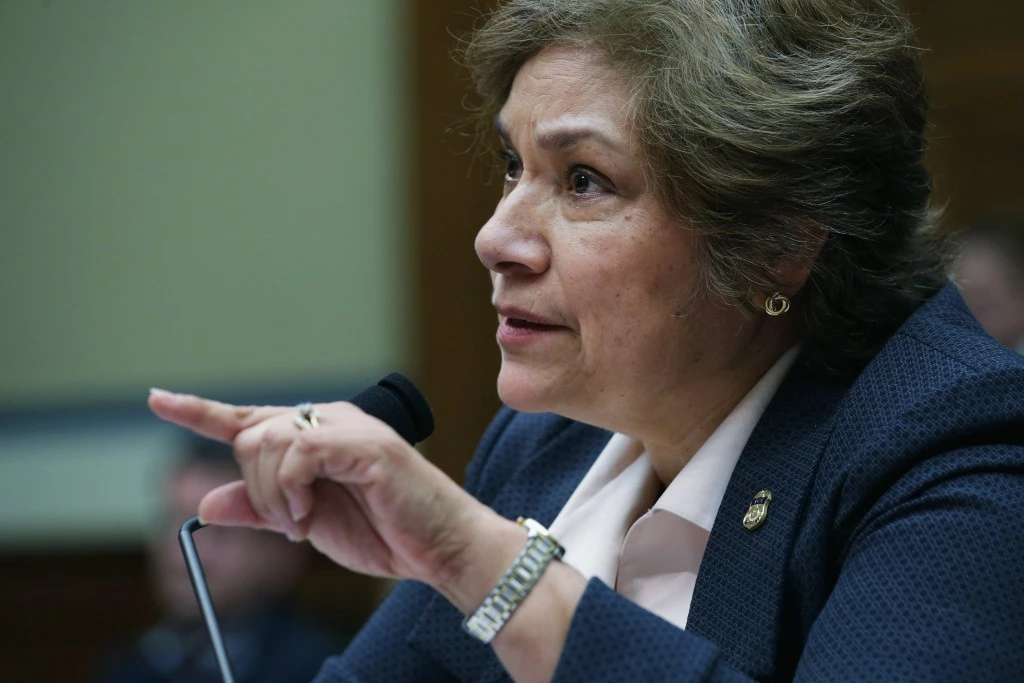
(366, 499)
(354, 488)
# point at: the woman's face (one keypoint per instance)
(601, 317)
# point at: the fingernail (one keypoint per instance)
(289, 529)
(292, 533)
(167, 396)
(295, 511)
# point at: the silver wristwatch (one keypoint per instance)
(541, 548)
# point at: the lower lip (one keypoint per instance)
(516, 335)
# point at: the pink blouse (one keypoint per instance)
(615, 526)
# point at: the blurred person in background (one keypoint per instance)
(990, 271)
(250, 574)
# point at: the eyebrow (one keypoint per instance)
(562, 139)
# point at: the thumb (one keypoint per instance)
(228, 505)
(213, 419)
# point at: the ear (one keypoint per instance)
(791, 273)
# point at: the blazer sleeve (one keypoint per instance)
(379, 651)
(928, 588)
(612, 639)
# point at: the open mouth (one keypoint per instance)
(521, 324)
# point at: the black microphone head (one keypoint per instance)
(397, 401)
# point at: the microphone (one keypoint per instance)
(394, 400)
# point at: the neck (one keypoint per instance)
(684, 422)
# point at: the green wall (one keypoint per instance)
(195, 194)
(199, 193)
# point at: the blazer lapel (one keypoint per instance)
(737, 597)
(539, 489)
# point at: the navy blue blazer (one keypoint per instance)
(892, 550)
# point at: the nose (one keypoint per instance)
(513, 241)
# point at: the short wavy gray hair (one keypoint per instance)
(765, 124)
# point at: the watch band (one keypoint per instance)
(541, 548)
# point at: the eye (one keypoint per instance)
(585, 182)
(513, 167)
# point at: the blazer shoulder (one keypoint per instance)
(941, 400)
(939, 376)
(945, 329)
(514, 439)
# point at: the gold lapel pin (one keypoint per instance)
(758, 510)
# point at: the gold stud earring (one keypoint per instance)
(776, 304)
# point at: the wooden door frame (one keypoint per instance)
(456, 356)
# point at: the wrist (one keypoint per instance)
(516, 584)
(491, 547)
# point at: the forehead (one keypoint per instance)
(566, 85)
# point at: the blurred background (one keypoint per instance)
(267, 201)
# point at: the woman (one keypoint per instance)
(709, 262)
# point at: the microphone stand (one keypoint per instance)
(198, 578)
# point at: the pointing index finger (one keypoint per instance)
(213, 419)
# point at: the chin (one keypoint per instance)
(525, 391)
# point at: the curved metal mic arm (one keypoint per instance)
(198, 578)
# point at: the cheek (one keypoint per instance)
(629, 286)
(665, 281)
(675, 278)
